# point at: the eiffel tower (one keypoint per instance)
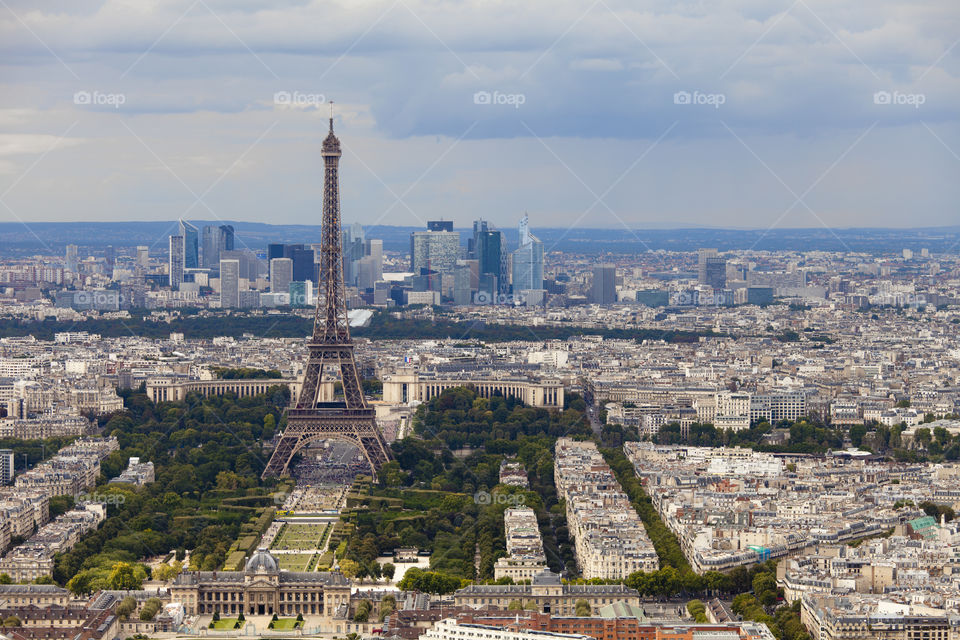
(310, 419)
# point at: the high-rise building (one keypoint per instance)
(702, 255)
(281, 275)
(439, 225)
(488, 249)
(211, 252)
(176, 261)
(715, 272)
(110, 258)
(215, 241)
(143, 256)
(6, 466)
(527, 260)
(275, 251)
(251, 267)
(229, 284)
(301, 293)
(375, 251)
(71, 259)
(304, 263)
(434, 250)
(353, 250)
(461, 284)
(604, 287)
(370, 266)
(226, 239)
(191, 245)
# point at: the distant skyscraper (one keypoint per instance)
(604, 287)
(304, 263)
(301, 293)
(702, 255)
(71, 258)
(488, 249)
(176, 261)
(275, 251)
(715, 272)
(226, 239)
(434, 250)
(251, 268)
(215, 241)
(439, 225)
(527, 260)
(281, 275)
(211, 251)
(6, 466)
(462, 290)
(191, 245)
(353, 250)
(229, 284)
(110, 258)
(143, 256)
(375, 251)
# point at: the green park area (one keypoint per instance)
(307, 537)
(295, 561)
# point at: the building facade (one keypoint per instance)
(261, 589)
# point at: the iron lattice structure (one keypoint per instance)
(310, 419)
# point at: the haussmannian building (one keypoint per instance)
(547, 593)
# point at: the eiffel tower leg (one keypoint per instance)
(280, 460)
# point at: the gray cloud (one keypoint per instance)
(597, 83)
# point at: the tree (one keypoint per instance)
(698, 610)
(388, 570)
(857, 432)
(515, 605)
(349, 568)
(124, 577)
(150, 609)
(5, 578)
(363, 611)
(11, 621)
(583, 609)
(80, 583)
(127, 606)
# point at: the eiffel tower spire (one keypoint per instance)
(330, 347)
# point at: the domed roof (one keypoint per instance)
(261, 562)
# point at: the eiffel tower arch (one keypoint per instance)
(311, 419)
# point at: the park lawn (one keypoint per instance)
(301, 536)
(294, 561)
(285, 624)
(226, 623)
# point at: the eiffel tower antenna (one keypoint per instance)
(311, 418)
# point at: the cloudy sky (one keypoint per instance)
(595, 113)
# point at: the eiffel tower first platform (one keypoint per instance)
(309, 419)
